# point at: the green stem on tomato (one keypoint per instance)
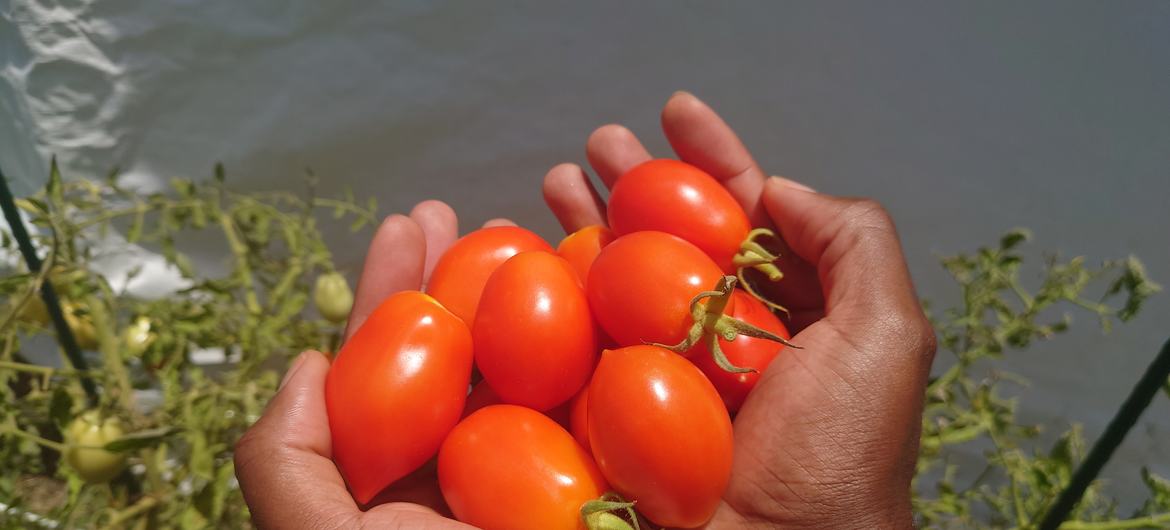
(710, 325)
(598, 514)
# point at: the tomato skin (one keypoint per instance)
(395, 390)
(579, 417)
(660, 434)
(482, 396)
(510, 467)
(640, 287)
(87, 434)
(459, 276)
(535, 339)
(680, 199)
(582, 247)
(744, 351)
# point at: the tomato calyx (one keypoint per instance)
(598, 513)
(710, 325)
(753, 255)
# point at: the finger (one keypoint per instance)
(572, 199)
(283, 461)
(499, 221)
(612, 150)
(854, 246)
(701, 138)
(440, 228)
(394, 262)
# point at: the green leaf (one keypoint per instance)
(1013, 238)
(54, 188)
(141, 439)
(220, 175)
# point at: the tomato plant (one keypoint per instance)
(582, 247)
(87, 436)
(660, 434)
(745, 351)
(395, 390)
(459, 276)
(535, 340)
(510, 467)
(333, 297)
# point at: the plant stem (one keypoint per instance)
(48, 294)
(241, 252)
(56, 446)
(143, 504)
(1153, 521)
(1143, 392)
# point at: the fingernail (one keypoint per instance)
(292, 369)
(682, 93)
(793, 184)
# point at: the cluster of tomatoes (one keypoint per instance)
(611, 366)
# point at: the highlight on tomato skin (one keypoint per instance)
(582, 247)
(683, 200)
(641, 285)
(660, 434)
(510, 467)
(460, 274)
(745, 351)
(409, 364)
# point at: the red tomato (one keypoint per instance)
(640, 287)
(660, 434)
(461, 273)
(535, 340)
(510, 467)
(744, 351)
(395, 390)
(582, 247)
(579, 417)
(680, 199)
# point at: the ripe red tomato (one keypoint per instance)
(640, 287)
(582, 247)
(660, 434)
(535, 340)
(459, 276)
(579, 417)
(510, 467)
(395, 390)
(680, 199)
(744, 351)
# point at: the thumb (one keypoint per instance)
(853, 245)
(283, 461)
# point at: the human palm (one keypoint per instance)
(828, 437)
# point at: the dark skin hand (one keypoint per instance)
(829, 437)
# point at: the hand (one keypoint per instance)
(829, 436)
(284, 462)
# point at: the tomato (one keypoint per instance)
(641, 285)
(34, 311)
(86, 435)
(333, 297)
(535, 339)
(81, 324)
(138, 336)
(510, 467)
(582, 247)
(395, 390)
(459, 276)
(660, 434)
(683, 200)
(745, 351)
(579, 417)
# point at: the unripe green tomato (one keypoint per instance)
(138, 336)
(86, 436)
(333, 297)
(81, 325)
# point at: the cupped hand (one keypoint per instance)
(284, 462)
(829, 436)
